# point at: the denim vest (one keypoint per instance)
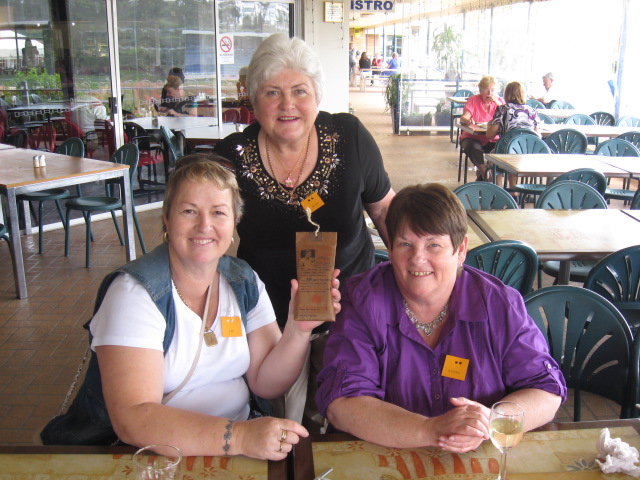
(87, 421)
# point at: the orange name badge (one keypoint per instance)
(231, 326)
(455, 367)
(313, 202)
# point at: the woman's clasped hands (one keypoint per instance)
(266, 438)
(463, 428)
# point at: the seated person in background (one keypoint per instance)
(187, 300)
(365, 63)
(86, 116)
(393, 65)
(386, 376)
(479, 108)
(550, 92)
(175, 103)
(243, 94)
(376, 64)
(515, 113)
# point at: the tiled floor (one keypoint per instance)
(41, 338)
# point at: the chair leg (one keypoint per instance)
(87, 241)
(67, 231)
(139, 230)
(39, 227)
(59, 207)
(460, 164)
(115, 222)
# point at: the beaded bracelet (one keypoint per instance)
(227, 437)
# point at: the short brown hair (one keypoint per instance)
(430, 208)
(197, 167)
(514, 93)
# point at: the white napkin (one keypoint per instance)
(618, 456)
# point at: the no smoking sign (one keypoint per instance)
(225, 49)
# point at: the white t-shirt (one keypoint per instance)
(128, 317)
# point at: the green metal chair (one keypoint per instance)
(456, 112)
(616, 147)
(532, 102)
(381, 256)
(570, 195)
(589, 339)
(635, 202)
(560, 104)
(544, 118)
(484, 196)
(173, 146)
(634, 379)
(73, 147)
(617, 278)
(523, 144)
(512, 261)
(565, 195)
(579, 119)
(631, 137)
(567, 140)
(628, 121)
(126, 154)
(603, 118)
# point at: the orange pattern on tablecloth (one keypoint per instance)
(402, 467)
(417, 462)
(475, 466)
(438, 468)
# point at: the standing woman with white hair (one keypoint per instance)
(293, 152)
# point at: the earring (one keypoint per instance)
(165, 237)
(233, 241)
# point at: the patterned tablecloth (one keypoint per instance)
(120, 467)
(566, 454)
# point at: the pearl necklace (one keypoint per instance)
(289, 182)
(427, 328)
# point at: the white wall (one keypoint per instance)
(331, 42)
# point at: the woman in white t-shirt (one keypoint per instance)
(208, 414)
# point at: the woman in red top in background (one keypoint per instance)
(480, 109)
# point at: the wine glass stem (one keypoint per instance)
(503, 466)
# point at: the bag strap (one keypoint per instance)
(170, 395)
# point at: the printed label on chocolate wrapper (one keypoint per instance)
(315, 262)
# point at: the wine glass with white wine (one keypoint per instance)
(506, 426)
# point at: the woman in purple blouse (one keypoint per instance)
(425, 345)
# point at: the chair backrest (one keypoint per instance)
(484, 196)
(127, 154)
(628, 121)
(138, 135)
(74, 147)
(544, 118)
(464, 93)
(512, 261)
(18, 139)
(172, 143)
(532, 102)
(589, 339)
(567, 140)
(505, 138)
(43, 138)
(35, 98)
(635, 202)
(579, 119)
(603, 118)
(570, 195)
(617, 278)
(231, 116)
(589, 176)
(631, 137)
(616, 147)
(560, 104)
(245, 115)
(527, 143)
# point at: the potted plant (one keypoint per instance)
(447, 45)
(395, 93)
(443, 112)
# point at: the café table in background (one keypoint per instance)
(194, 137)
(115, 463)
(609, 131)
(559, 113)
(18, 175)
(563, 235)
(557, 450)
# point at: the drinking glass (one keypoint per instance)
(506, 425)
(150, 465)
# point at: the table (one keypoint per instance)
(210, 135)
(563, 235)
(458, 99)
(608, 131)
(552, 165)
(115, 463)
(175, 123)
(4, 146)
(558, 112)
(17, 176)
(629, 164)
(47, 108)
(556, 450)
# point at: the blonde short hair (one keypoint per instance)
(487, 81)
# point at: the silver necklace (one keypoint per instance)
(210, 338)
(427, 328)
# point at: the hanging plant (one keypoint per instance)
(447, 45)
